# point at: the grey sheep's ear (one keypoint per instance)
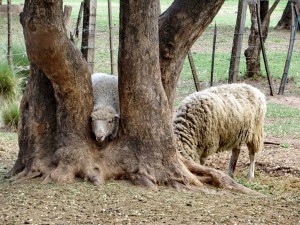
(116, 128)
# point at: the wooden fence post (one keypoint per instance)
(194, 72)
(112, 59)
(294, 28)
(264, 51)
(88, 32)
(9, 34)
(213, 57)
(75, 34)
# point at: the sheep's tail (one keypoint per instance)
(256, 143)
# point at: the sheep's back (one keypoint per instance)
(105, 90)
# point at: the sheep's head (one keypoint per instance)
(105, 123)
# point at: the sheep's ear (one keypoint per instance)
(117, 116)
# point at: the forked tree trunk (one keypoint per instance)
(252, 53)
(54, 133)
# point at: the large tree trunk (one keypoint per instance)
(252, 53)
(146, 133)
(54, 130)
(285, 21)
(54, 134)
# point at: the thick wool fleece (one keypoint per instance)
(105, 91)
(103, 113)
(218, 119)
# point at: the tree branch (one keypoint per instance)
(266, 19)
(179, 27)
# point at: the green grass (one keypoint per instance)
(255, 185)
(281, 111)
(19, 55)
(9, 136)
(10, 115)
(284, 120)
(269, 185)
(8, 82)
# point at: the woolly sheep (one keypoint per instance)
(218, 119)
(105, 115)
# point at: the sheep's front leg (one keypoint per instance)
(233, 160)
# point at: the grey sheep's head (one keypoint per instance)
(105, 123)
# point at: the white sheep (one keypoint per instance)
(218, 119)
(105, 115)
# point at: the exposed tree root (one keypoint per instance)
(216, 178)
(62, 167)
(64, 173)
(21, 177)
(181, 183)
(97, 166)
(143, 171)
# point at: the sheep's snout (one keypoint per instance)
(105, 130)
(100, 130)
(100, 138)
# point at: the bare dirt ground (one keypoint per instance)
(118, 202)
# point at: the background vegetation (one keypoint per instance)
(277, 45)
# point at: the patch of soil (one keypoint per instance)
(122, 203)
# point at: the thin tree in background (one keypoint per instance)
(252, 53)
(237, 42)
(286, 18)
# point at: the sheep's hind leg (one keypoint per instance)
(252, 165)
(233, 160)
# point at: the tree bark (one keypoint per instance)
(54, 134)
(286, 18)
(36, 109)
(252, 53)
(179, 27)
(147, 145)
(67, 14)
(237, 42)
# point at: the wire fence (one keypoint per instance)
(106, 46)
